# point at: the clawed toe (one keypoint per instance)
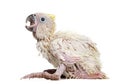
(33, 75)
(42, 75)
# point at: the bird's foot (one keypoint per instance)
(53, 74)
(52, 71)
(98, 76)
(44, 74)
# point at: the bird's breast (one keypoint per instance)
(43, 48)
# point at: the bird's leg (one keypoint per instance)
(52, 71)
(53, 74)
(59, 71)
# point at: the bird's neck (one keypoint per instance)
(47, 39)
(43, 47)
(43, 44)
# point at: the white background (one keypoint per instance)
(97, 19)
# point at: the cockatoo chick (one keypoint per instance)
(73, 56)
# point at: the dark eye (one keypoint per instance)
(42, 19)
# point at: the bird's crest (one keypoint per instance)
(51, 16)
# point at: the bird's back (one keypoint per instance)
(75, 49)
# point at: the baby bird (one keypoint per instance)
(73, 56)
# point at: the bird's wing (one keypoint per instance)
(71, 48)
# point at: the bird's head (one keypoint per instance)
(42, 25)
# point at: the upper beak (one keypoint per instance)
(32, 22)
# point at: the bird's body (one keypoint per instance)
(74, 56)
(75, 51)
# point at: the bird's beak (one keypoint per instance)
(31, 23)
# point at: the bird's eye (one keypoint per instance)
(42, 19)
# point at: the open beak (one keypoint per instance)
(31, 23)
